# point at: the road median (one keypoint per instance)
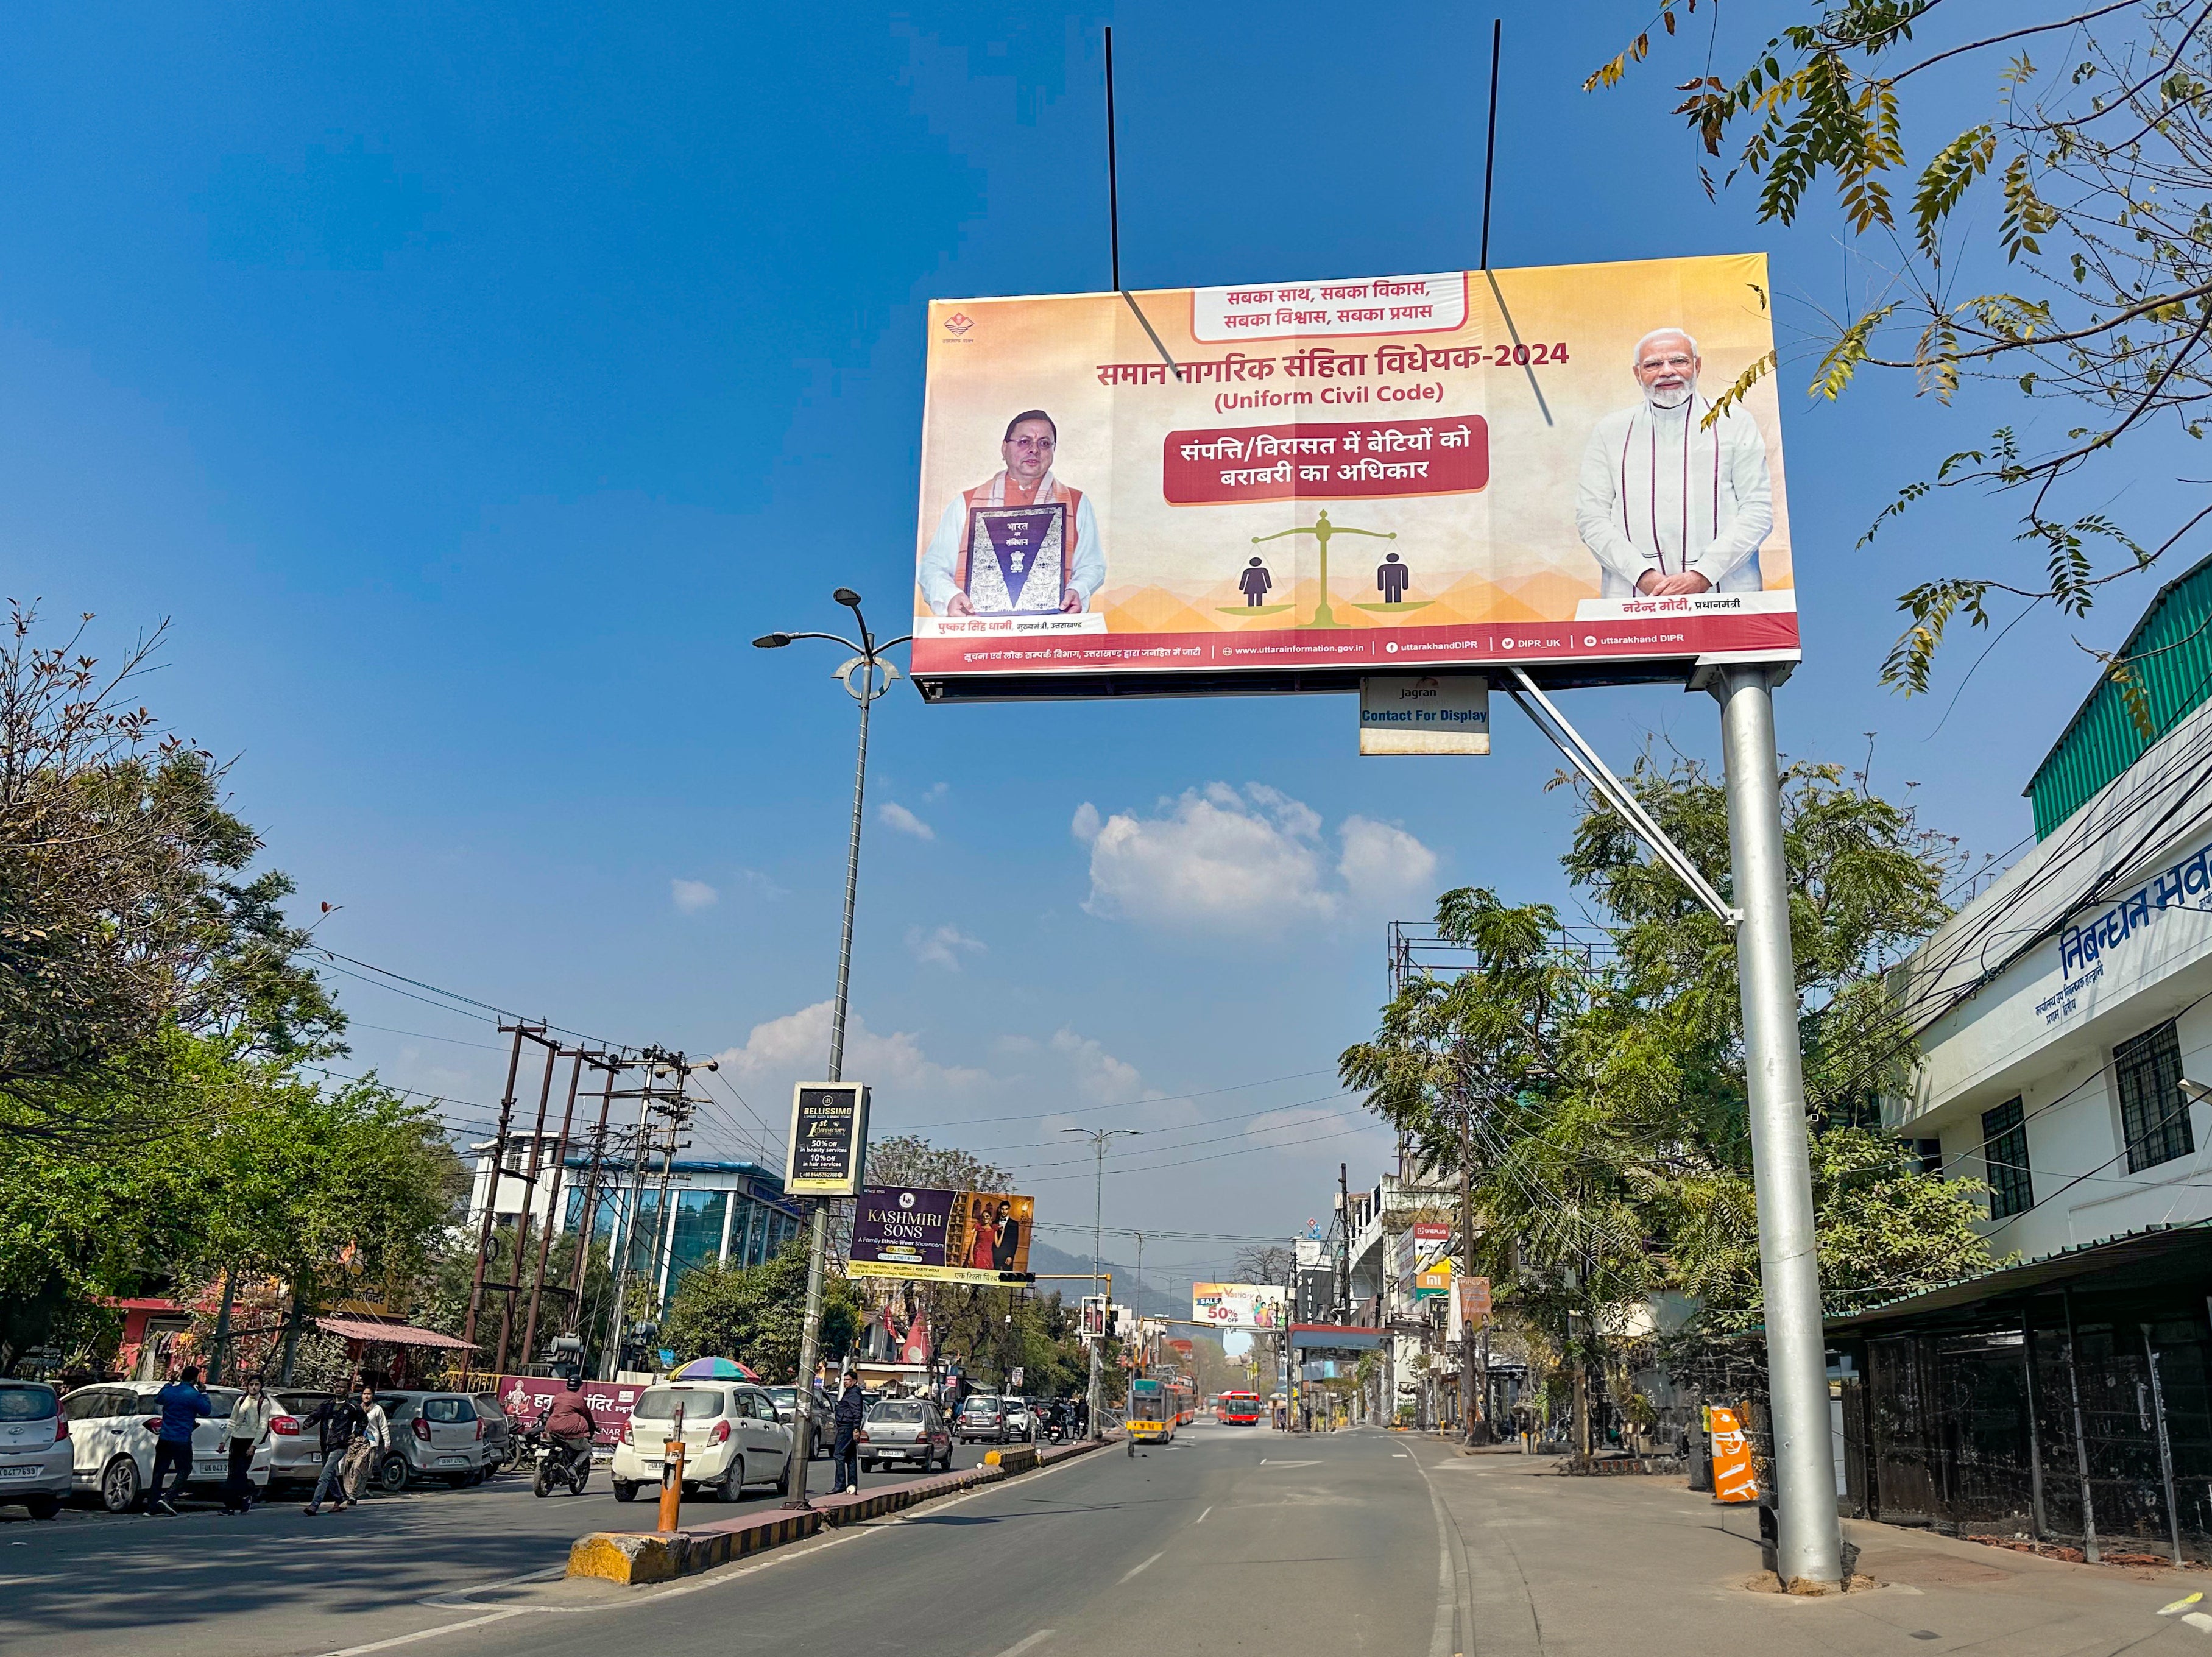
(636, 1558)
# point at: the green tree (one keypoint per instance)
(332, 1193)
(754, 1313)
(1598, 1098)
(124, 907)
(2084, 184)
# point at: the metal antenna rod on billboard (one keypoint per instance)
(1099, 1137)
(876, 675)
(1489, 143)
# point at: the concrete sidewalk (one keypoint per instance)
(1545, 1562)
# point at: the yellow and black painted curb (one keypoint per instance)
(637, 1557)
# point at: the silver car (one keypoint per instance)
(295, 1452)
(37, 1467)
(435, 1435)
(905, 1430)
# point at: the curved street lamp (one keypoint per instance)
(875, 675)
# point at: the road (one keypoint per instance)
(276, 1581)
(1296, 1545)
(1360, 1544)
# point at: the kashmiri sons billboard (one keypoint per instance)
(1373, 474)
(943, 1236)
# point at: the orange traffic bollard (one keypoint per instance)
(671, 1474)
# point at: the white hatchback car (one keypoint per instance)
(114, 1447)
(36, 1468)
(731, 1438)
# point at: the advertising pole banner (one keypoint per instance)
(1239, 1305)
(942, 1236)
(829, 1141)
(1432, 1270)
(1292, 486)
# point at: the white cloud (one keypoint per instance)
(796, 1047)
(692, 896)
(1250, 861)
(892, 814)
(938, 946)
(1098, 1073)
(1385, 863)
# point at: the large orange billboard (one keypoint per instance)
(1208, 488)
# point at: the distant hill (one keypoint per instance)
(1151, 1298)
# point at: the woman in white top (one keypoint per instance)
(249, 1429)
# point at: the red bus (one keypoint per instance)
(1238, 1410)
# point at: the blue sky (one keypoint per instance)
(468, 384)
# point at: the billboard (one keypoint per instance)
(1292, 485)
(941, 1237)
(1432, 1270)
(829, 1143)
(1238, 1305)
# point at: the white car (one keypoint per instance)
(731, 1438)
(113, 1448)
(1021, 1417)
(36, 1467)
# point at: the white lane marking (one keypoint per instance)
(1200, 1520)
(1265, 1462)
(2199, 1621)
(1133, 1570)
(424, 1633)
(1030, 1644)
(1400, 1455)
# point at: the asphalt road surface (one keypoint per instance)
(276, 1582)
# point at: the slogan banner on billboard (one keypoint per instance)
(941, 1237)
(1368, 474)
(1239, 1305)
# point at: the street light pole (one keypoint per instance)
(1099, 1137)
(876, 675)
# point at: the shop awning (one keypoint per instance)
(389, 1335)
(1335, 1338)
(2155, 1257)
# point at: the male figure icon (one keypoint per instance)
(1392, 577)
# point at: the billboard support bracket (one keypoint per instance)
(1579, 754)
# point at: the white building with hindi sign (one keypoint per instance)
(2066, 1014)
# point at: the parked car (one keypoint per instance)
(731, 1438)
(905, 1430)
(111, 1445)
(498, 1431)
(295, 1453)
(436, 1435)
(786, 1400)
(982, 1419)
(37, 1467)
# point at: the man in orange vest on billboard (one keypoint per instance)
(1022, 543)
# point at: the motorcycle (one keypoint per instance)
(555, 1464)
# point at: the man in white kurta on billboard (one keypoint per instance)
(1027, 480)
(1668, 505)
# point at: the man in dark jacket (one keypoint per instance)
(339, 1420)
(183, 1401)
(845, 1452)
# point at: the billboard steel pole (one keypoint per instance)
(1810, 1549)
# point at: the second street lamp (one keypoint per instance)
(866, 676)
(1099, 1137)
